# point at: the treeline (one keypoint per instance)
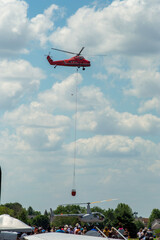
(28, 216)
(122, 214)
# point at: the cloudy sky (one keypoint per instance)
(118, 103)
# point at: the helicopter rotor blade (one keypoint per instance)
(73, 204)
(80, 51)
(108, 200)
(63, 51)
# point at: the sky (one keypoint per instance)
(117, 128)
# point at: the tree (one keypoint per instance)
(6, 210)
(23, 216)
(155, 214)
(109, 217)
(61, 221)
(98, 209)
(124, 215)
(16, 207)
(41, 221)
(139, 224)
(69, 209)
(46, 213)
(30, 211)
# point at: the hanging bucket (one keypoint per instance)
(73, 192)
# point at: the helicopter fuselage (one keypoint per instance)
(92, 217)
(76, 61)
(88, 217)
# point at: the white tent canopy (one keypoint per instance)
(8, 223)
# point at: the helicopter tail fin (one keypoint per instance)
(50, 60)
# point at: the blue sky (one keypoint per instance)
(118, 117)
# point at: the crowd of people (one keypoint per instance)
(87, 230)
(145, 234)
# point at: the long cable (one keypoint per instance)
(75, 132)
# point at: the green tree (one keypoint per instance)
(16, 207)
(124, 215)
(23, 216)
(69, 209)
(98, 209)
(30, 211)
(6, 210)
(139, 224)
(41, 221)
(109, 217)
(61, 221)
(46, 213)
(154, 215)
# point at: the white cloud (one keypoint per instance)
(62, 94)
(128, 27)
(14, 26)
(108, 121)
(152, 104)
(145, 83)
(17, 30)
(36, 128)
(41, 24)
(114, 146)
(17, 78)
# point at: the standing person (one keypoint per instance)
(76, 227)
(140, 234)
(106, 231)
(113, 233)
(120, 230)
(78, 230)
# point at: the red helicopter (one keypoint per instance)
(76, 61)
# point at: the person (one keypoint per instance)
(59, 230)
(93, 228)
(48, 228)
(113, 233)
(78, 230)
(149, 233)
(120, 230)
(126, 233)
(76, 227)
(140, 234)
(84, 230)
(70, 229)
(66, 230)
(53, 229)
(106, 231)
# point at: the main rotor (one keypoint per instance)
(77, 54)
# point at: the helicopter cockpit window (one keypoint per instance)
(99, 216)
(81, 58)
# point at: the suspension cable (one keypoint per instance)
(75, 131)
